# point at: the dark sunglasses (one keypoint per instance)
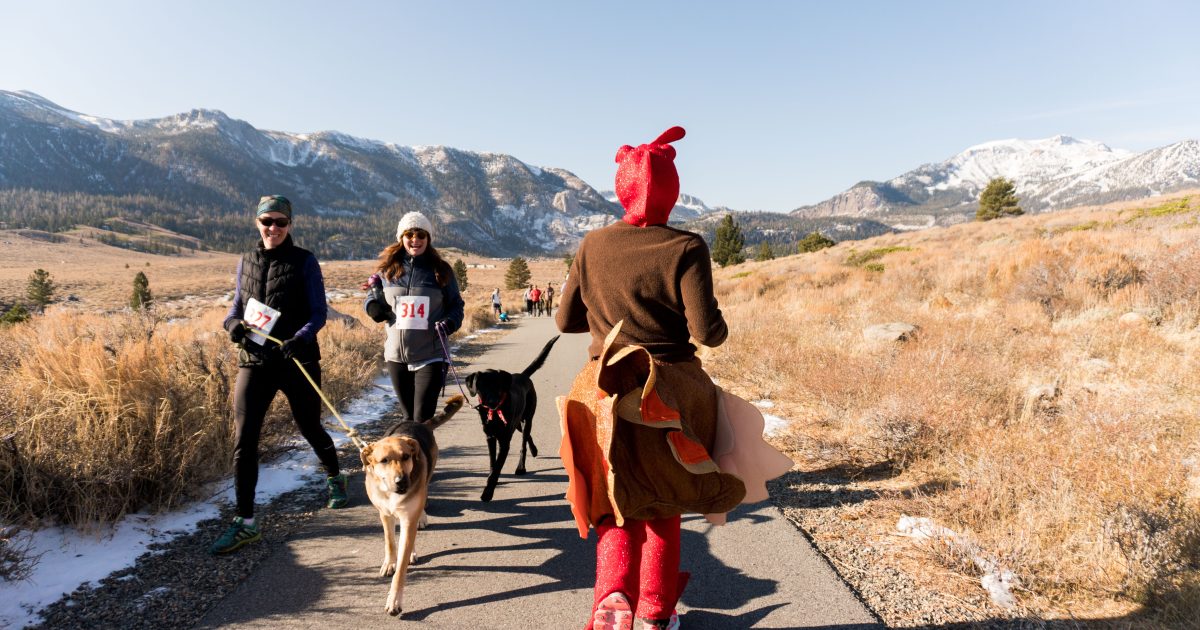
(269, 221)
(417, 234)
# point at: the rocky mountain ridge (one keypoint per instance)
(489, 203)
(1052, 173)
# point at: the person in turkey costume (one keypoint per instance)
(647, 436)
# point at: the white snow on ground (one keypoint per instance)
(773, 424)
(68, 558)
(996, 580)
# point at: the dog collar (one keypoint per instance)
(497, 410)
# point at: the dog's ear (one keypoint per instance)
(471, 382)
(365, 455)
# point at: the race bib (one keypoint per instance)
(412, 312)
(260, 316)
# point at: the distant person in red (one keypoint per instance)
(535, 298)
(641, 418)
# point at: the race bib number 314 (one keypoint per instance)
(412, 312)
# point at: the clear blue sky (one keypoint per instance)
(785, 103)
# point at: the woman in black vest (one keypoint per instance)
(280, 290)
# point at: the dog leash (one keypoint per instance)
(350, 433)
(441, 330)
(442, 337)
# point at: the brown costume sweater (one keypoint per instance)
(657, 279)
(653, 459)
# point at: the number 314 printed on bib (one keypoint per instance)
(412, 312)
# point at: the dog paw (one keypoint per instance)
(393, 608)
(388, 569)
(412, 559)
(520, 471)
(487, 494)
(423, 521)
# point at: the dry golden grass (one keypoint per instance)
(1063, 440)
(104, 415)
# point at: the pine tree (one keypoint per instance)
(813, 242)
(15, 315)
(460, 272)
(40, 289)
(728, 244)
(518, 275)
(764, 252)
(999, 199)
(141, 298)
(569, 260)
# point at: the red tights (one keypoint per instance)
(641, 559)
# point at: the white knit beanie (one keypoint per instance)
(414, 220)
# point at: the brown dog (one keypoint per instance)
(397, 468)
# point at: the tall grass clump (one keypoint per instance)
(103, 415)
(1060, 434)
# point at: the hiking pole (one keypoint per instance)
(350, 433)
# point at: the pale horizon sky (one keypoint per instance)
(785, 103)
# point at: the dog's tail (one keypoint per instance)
(541, 358)
(452, 406)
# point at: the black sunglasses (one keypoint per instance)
(269, 221)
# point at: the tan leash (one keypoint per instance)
(350, 433)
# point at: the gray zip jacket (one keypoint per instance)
(419, 304)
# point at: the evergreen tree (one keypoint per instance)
(569, 260)
(518, 275)
(764, 252)
(727, 247)
(15, 315)
(813, 242)
(460, 272)
(999, 199)
(40, 289)
(141, 298)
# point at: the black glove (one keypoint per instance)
(380, 312)
(237, 332)
(294, 347)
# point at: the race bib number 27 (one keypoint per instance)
(412, 312)
(260, 316)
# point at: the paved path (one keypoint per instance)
(518, 561)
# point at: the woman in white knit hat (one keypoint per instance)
(415, 291)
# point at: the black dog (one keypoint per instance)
(506, 403)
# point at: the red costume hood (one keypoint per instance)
(647, 183)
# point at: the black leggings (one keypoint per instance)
(252, 395)
(417, 390)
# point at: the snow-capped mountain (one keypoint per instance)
(488, 203)
(1049, 174)
(687, 207)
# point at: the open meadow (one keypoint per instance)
(1039, 402)
(1036, 400)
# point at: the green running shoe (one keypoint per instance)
(237, 535)
(337, 492)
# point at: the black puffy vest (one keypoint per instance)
(275, 277)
